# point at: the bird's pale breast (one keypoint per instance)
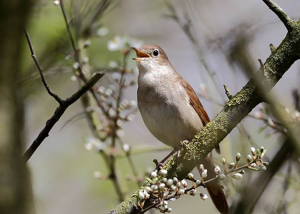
(166, 110)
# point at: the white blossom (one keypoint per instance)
(203, 196)
(97, 174)
(103, 31)
(73, 78)
(135, 43)
(237, 176)
(204, 173)
(117, 43)
(126, 147)
(217, 170)
(112, 64)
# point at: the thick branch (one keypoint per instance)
(234, 111)
(286, 20)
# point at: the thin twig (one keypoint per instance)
(77, 59)
(50, 92)
(131, 163)
(262, 67)
(63, 104)
(286, 20)
(227, 92)
(58, 113)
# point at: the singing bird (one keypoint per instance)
(171, 110)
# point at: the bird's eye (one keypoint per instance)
(155, 52)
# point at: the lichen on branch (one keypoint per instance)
(193, 152)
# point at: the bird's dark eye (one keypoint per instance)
(155, 52)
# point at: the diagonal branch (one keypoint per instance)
(192, 153)
(50, 92)
(63, 104)
(286, 20)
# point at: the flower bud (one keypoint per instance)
(191, 176)
(238, 157)
(153, 174)
(217, 170)
(237, 176)
(163, 172)
(181, 191)
(173, 188)
(154, 187)
(162, 186)
(141, 195)
(223, 161)
(184, 183)
(164, 180)
(175, 180)
(253, 151)
(169, 182)
(222, 176)
(198, 182)
(249, 159)
(204, 173)
(148, 189)
(193, 192)
(203, 196)
(232, 165)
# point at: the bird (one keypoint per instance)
(171, 109)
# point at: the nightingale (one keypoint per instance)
(171, 110)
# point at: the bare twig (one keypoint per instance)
(50, 92)
(227, 92)
(286, 20)
(77, 59)
(63, 104)
(58, 113)
(262, 67)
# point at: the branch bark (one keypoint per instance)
(63, 104)
(193, 152)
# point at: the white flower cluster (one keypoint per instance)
(121, 42)
(161, 189)
(94, 143)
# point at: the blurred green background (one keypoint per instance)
(62, 170)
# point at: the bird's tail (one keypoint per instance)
(215, 191)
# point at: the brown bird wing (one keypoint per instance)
(195, 102)
(215, 191)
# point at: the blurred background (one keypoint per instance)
(209, 42)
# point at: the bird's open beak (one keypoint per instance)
(140, 55)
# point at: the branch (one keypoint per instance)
(77, 59)
(193, 152)
(285, 19)
(50, 92)
(63, 104)
(247, 202)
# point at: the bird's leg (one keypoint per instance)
(168, 156)
(175, 150)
